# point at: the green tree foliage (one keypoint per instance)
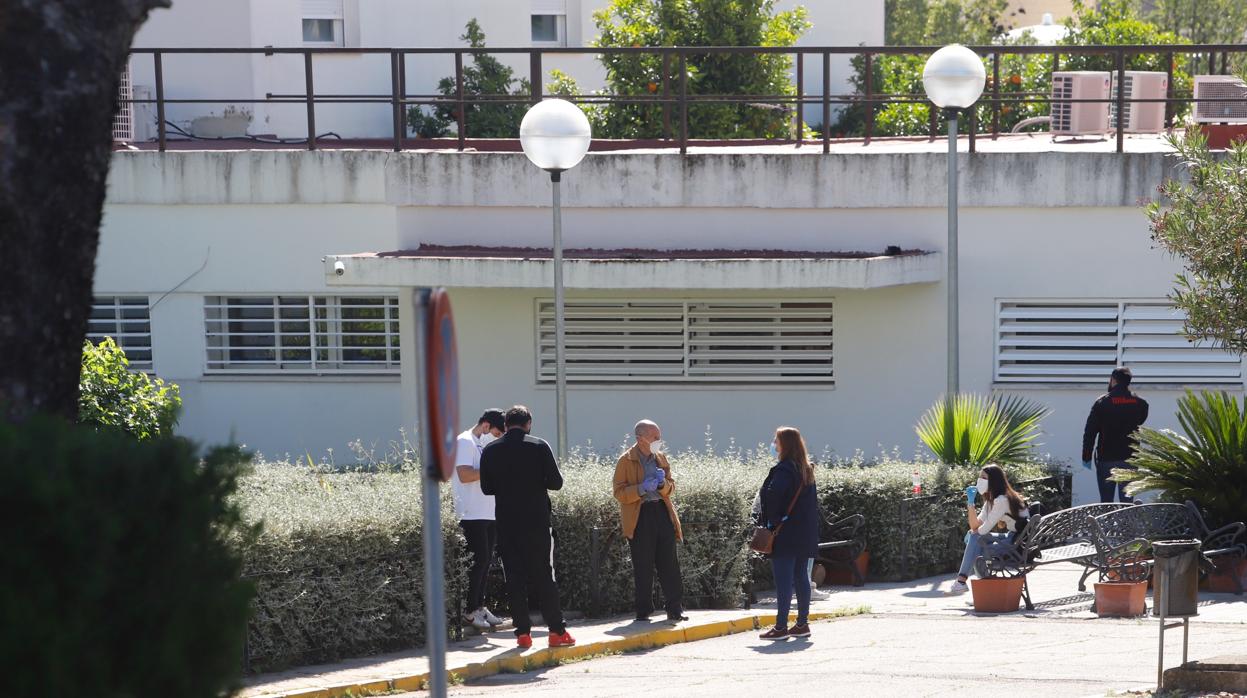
(121, 570)
(637, 23)
(1202, 220)
(1117, 23)
(986, 429)
(1206, 463)
(114, 397)
(1203, 21)
(486, 77)
(937, 22)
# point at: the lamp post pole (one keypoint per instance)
(560, 320)
(954, 356)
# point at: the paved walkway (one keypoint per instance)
(1053, 588)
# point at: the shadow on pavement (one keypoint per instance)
(792, 644)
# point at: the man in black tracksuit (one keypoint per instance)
(518, 470)
(1114, 418)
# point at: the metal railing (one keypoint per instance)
(674, 95)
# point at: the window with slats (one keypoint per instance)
(302, 334)
(690, 341)
(127, 319)
(1079, 342)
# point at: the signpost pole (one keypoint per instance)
(434, 577)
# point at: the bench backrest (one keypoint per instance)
(1151, 522)
(1064, 527)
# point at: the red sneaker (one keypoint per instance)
(524, 641)
(775, 633)
(563, 639)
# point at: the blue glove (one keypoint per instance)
(971, 493)
(1086, 464)
(650, 485)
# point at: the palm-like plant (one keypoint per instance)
(986, 429)
(1206, 464)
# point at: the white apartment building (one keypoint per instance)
(349, 24)
(714, 290)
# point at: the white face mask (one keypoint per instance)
(658, 446)
(487, 438)
(982, 486)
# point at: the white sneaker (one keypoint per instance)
(958, 587)
(478, 620)
(816, 593)
(491, 618)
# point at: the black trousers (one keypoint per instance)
(482, 537)
(653, 546)
(527, 559)
(1108, 488)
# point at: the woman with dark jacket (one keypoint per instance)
(796, 537)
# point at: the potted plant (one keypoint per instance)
(997, 594)
(1120, 599)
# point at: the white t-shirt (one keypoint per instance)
(470, 502)
(996, 511)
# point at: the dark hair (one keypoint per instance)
(494, 418)
(998, 484)
(517, 416)
(792, 447)
(1122, 375)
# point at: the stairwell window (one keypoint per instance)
(323, 23)
(302, 334)
(549, 22)
(127, 319)
(657, 341)
(1079, 341)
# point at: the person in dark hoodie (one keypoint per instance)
(790, 509)
(518, 470)
(1113, 420)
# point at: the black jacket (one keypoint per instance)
(518, 470)
(1114, 418)
(799, 535)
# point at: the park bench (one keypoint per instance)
(1124, 538)
(1062, 536)
(843, 540)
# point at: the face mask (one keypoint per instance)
(982, 485)
(487, 438)
(658, 446)
(774, 451)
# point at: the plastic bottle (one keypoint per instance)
(917, 483)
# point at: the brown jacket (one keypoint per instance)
(628, 476)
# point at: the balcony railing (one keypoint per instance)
(674, 98)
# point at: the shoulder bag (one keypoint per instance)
(764, 538)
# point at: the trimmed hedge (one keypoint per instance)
(337, 567)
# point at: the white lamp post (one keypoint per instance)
(953, 79)
(555, 135)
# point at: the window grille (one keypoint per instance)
(127, 319)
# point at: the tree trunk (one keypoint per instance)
(60, 66)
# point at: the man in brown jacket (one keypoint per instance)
(643, 486)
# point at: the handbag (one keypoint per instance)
(763, 540)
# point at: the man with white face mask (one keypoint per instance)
(643, 486)
(476, 513)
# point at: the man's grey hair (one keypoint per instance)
(643, 427)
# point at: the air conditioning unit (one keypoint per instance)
(1141, 117)
(1079, 118)
(1211, 88)
(143, 116)
(123, 122)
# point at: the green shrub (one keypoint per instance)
(112, 396)
(1206, 464)
(119, 575)
(986, 429)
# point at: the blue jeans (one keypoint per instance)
(974, 550)
(789, 571)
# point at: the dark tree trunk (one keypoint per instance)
(60, 66)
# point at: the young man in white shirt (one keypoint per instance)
(476, 513)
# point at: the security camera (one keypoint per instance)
(339, 268)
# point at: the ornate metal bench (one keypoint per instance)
(847, 538)
(1124, 538)
(1062, 536)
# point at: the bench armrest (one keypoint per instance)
(1226, 536)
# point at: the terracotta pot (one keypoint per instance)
(1120, 599)
(1228, 571)
(1220, 136)
(839, 576)
(997, 594)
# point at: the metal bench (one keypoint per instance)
(844, 540)
(1062, 536)
(1124, 538)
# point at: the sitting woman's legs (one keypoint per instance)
(969, 556)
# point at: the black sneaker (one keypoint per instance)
(676, 617)
(801, 630)
(641, 619)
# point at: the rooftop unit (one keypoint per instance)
(1209, 89)
(1141, 117)
(1080, 118)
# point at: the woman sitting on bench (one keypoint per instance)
(1003, 507)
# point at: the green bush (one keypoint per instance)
(337, 567)
(120, 578)
(985, 429)
(1206, 463)
(112, 396)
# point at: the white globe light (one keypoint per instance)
(555, 135)
(954, 77)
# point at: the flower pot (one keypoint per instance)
(1229, 575)
(997, 594)
(1120, 599)
(840, 576)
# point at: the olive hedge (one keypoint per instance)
(337, 567)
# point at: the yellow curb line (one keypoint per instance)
(538, 659)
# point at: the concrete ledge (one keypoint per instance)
(1226, 673)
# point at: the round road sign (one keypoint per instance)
(442, 379)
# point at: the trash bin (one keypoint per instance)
(1176, 578)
